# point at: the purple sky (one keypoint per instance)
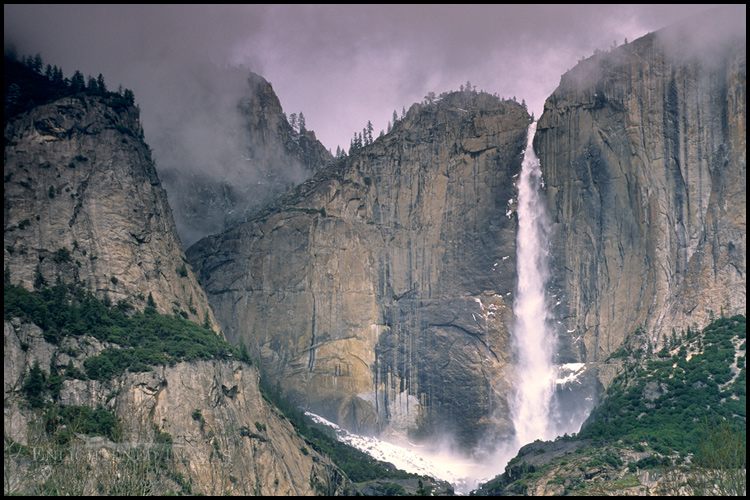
(339, 65)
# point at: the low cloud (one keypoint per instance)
(341, 65)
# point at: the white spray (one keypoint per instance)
(534, 339)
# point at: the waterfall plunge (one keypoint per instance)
(533, 336)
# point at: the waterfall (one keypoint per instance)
(533, 336)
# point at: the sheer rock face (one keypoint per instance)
(219, 449)
(643, 151)
(378, 293)
(263, 158)
(82, 201)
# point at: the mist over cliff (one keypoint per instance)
(225, 148)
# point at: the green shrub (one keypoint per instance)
(144, 339)
(83, 420)
(182, 271)
(691, 391)
(391, 490)
(62, 255)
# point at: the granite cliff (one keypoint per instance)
(384, 284)
(643, 150)
(378, 293)
(84, 206)
(82, 201)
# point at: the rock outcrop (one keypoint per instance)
(266, 158)
(643, 150)
(82, 202)
(204, 422)
(378, 293)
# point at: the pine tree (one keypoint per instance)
(91, 85)
(14, 95)
(36, 63)
(369, 131)
(301, 123)
(293, 121)
(129, 97)
(244, 355)
(57, 76)
(33, 386)
(100, 84)
(77, 83)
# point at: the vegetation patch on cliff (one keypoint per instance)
(672, 422)
(136, 340)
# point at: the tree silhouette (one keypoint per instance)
(100, 84)
(129, 97)
(91, 85)
(369, 131)
(77, 83)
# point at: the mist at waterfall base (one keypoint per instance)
(550, 399)
(438, 460)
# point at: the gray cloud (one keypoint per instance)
(339, 64)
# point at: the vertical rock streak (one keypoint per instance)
(534, 341)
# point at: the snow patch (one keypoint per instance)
(569, 372)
